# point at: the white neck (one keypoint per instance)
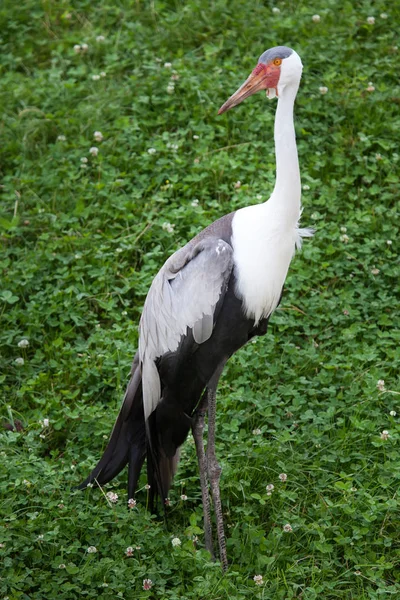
(287, 192)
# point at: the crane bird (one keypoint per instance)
(209, 299)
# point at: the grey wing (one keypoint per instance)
(183, 296)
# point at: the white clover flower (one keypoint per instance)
(170, 89)
(94, 151)
(100, 38)
(258, 197)
(131, 503)
(61, 566)
(371, 87)
(343, 229)
(375, 271)
(287, 528)
(84, 159)
(89, 485)
(237, 185)
(344, 238)
(147, 486)
(169, 227)
(103, 74)
(112, 497)
(19, 361)
(175, 77)
(316, 18)
(167, 502)
(283, 477)
(270, 487)
(195, 202)
(276, 11)
(393, 413)
(385, 435)
(184, 497)
(371, 20)
(61, 138)
(77, 48)
(95, 77)
(258, 579)
(119, 250)
(306, 187)
(358, 573)
(84, 47)
(167, 65)
(91, 550)
(40, 536)
(196, 137)
(323, 90)
(383, 16)
(151, 150)
(129, 551)
(147, 584)
(98, 136)
(46, 422)
(23, 343)
(380, 384)
(176, 542)
(256, 431)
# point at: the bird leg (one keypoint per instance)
(198, 429)
(214, 473)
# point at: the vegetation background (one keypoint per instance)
(83, 231)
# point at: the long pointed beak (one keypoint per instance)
(254, 83)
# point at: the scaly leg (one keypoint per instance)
(214, 473)
(198, 429)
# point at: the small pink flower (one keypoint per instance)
(131, 503)
(147, 584)
(380, 384)
(112, 497)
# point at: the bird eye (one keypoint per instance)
(277, 62)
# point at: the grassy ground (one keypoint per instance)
(82, 235)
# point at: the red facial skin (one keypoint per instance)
(263, 77)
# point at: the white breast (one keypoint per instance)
(263, 246)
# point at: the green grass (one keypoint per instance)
(81, 241)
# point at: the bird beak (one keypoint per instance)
(257, 81)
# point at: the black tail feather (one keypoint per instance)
(132, 440)
(128, 438)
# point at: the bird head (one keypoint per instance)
(277, 68)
